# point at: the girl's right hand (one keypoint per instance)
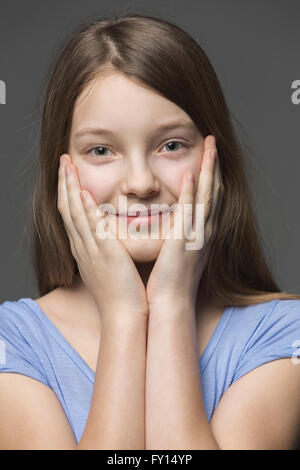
(105, 266)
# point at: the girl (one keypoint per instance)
(135, 342)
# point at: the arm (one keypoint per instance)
(119, 390)
(175, 413)
(32, 417)
(259, 411)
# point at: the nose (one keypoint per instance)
(140, 182)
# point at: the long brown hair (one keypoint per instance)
(164, 57)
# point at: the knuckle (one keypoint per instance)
(75, 251)
(75, 214)
(68, 227)
(60, 207)
(61, 204)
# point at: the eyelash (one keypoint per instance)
(102, 146)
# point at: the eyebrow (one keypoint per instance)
(162, 127)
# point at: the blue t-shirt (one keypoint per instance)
(244, 338)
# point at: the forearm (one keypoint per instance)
(175, 413)
(117, 414)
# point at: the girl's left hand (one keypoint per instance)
(177, 271)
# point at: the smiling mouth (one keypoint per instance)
(142, 217)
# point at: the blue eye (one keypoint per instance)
(96, 148)
(175, 142)
(102, 154)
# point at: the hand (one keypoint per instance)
(105, 265)
(177, 271)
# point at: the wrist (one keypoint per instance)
(123, 319)
(171, 306)
(114, 308)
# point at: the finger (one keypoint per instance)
(215, 185)
(211, 219)
(63, 204)
(218, 191)
(183, 215)
(204, 193)
(95, 215)
(76, 207)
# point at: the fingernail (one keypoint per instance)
(62, 160)
(211, 141)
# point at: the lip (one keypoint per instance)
(143, 217)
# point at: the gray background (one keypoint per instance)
(254, 48)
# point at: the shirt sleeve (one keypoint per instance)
(276, 336)
(18, 351)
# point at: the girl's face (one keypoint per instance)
(134, 157)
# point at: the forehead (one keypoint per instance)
(116, 100)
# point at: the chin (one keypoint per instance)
(143, 250)
(141, 247)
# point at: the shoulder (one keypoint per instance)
(263, 311)
(263, 387)
(15, 315)
(26, 353)
(273, 332)
(20, 339)
(276, 317)
(281, 325)
(256, 319)
(29, 320)
(284, 308)
(24, 330)
(23, 315)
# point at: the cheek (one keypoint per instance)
(174, 176)
(99, 182)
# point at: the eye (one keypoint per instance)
(102, 149)
(171, 144)
(101, 154)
